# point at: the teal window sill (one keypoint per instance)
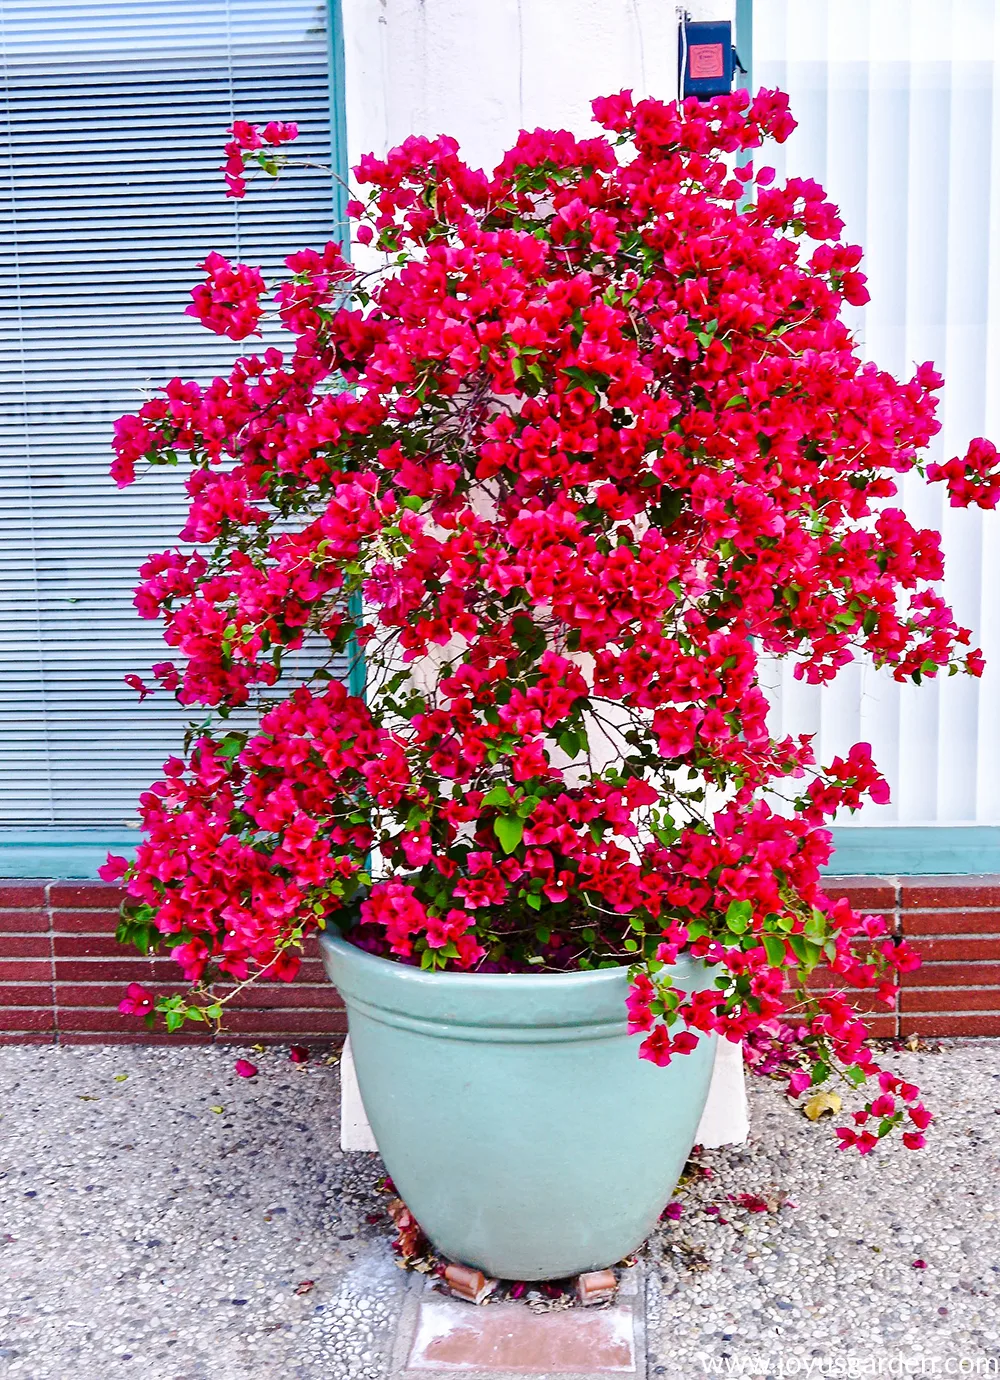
(65, 854)
(917, 850)
(903, 851)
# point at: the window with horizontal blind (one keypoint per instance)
(111, 123)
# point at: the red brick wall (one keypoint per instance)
(954, 924)
(62, 971)
(62, 975)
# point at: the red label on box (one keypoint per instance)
(706, 60)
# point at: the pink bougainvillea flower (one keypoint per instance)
(299, 1054)
(245, 1069)
(114, 869)
(657, 1047)
(136, 683)
(136, 1001)
(228, 302)
(753, 1202)
(245, 142)
(672, 1212)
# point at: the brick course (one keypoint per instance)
(62, 973)
(954, 924)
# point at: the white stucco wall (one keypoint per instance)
(481, 70)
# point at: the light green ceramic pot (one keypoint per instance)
(513, 1112)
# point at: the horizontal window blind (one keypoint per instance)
(112, 120)
(898, 103)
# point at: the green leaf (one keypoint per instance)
(805, 950)
(774, 947)
(668, 509)
(738, 916)
(499, 795)
(591, 382)
(412, 502)
(815, 927)
(232, 745)
(509, 830)
(569, 741)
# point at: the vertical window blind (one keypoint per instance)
(898, 103)
(112, 119)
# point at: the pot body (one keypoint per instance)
(513, 1112)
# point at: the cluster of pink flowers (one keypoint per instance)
(251, 142)
(606, 442)
(228, 302)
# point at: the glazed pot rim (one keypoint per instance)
(332, 935)
(394, 992)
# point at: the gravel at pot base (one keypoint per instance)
(834, 1276)
(168, 1224)
(145, 1233)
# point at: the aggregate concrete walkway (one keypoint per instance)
(161, 1217)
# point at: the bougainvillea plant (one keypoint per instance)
(590, 442)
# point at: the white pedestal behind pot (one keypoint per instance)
(725, 1120)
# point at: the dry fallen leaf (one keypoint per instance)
(120, 1077)
(216, 1109)
(305, 1286)
(820, 1103)
(410, 1240)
